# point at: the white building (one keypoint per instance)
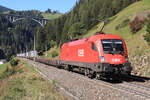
(2, 61)
(28, 54)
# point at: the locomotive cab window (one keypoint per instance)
(113, 46)
(94, 47)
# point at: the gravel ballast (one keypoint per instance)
(81, 87)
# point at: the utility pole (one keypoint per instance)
(46, 50)
(35, 43)
(34, 47)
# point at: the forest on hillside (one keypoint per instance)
(78, 21)
(18, 37)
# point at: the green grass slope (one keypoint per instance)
(22, 82)
(135, 42)
(51, 16)
(139, 50)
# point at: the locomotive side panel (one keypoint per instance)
(79, 52)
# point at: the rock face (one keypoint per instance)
(141, 65)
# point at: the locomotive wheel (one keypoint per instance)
(88, 73)
(68, 68)
(129, 73)
(99, 76)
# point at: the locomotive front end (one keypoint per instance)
(114, 55)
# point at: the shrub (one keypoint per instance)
(53, 43)
(147, 36)
(136, 24)
(14, 62)
(8, 72)
(54, 53)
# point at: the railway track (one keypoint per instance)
(135, 89)
(138, 86)
(130, 88)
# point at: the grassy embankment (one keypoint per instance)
(53, 53)
(22, 82)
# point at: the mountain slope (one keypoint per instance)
(139, 50)
(4, 9)
(136, 41)
(81, 18)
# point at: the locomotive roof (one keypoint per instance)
(105, 36)
(93, 38)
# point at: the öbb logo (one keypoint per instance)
(81, 52)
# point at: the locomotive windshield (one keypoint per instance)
(113, 46)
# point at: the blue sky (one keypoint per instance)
(60, 5)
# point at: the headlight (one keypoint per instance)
(102, 58)
(115, 60)
(126, 57)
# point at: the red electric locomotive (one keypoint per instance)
(99, 55)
